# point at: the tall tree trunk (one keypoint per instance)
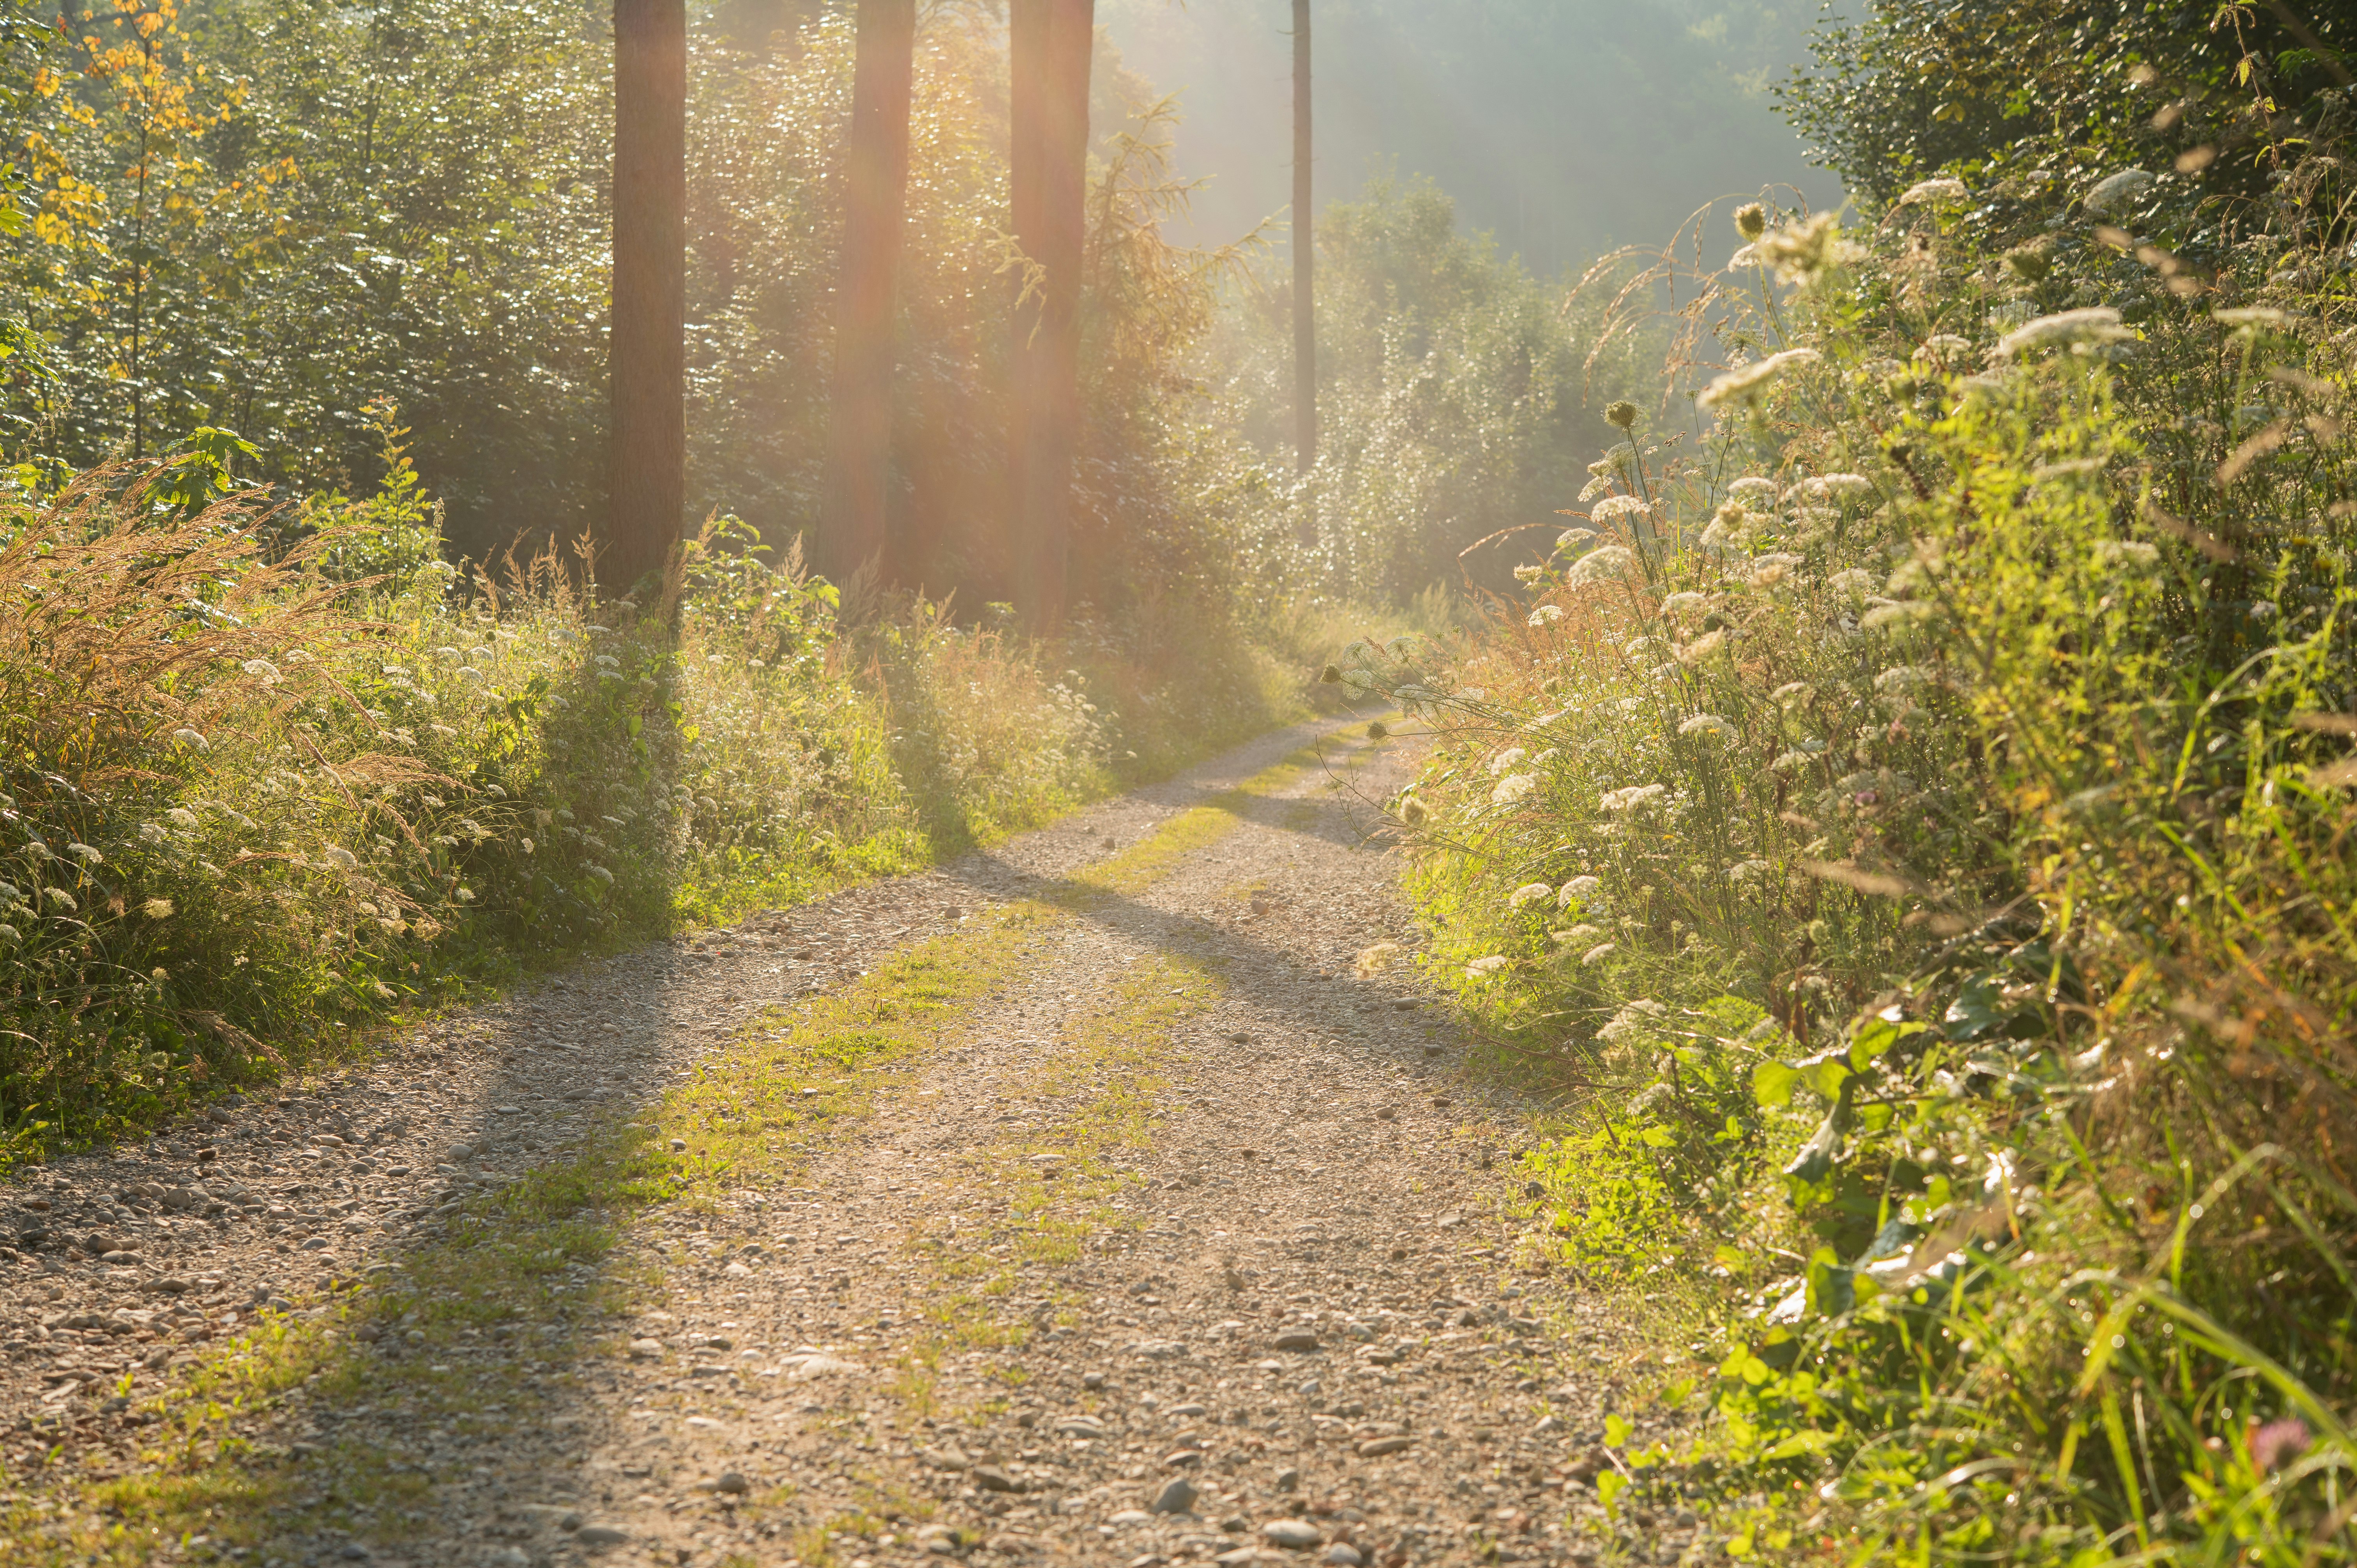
(1050, 46)
(647, 350)
(857, 529)
(1305, 313)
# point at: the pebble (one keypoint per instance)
(1293, 1534)
(595, 1536)
(1343, 1555)
(1179, 1497)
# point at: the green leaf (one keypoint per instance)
(1773, 1083)
(1617, 1432)
(1609, 1485)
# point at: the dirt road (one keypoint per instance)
(1090, 1201)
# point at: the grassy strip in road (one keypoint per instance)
(529, 1275)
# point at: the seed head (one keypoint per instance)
(1752, 220)
(1621, 415)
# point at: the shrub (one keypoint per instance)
(1915, 826)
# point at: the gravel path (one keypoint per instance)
(1193, 1237)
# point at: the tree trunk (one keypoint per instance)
(647, 352)
(857, 530)
(1050, 46)
(1305, 313)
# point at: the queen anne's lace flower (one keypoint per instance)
(1706, 723)
(1601, 565)
(1577, 887)
(1484, 968)
(1514, 787)
(1547, 615)
(1747, 381)
(1529, 893)
(1939, 188)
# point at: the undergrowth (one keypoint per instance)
(275, 780)
(1908, 825)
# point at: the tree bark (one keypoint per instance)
(1049, 48)
(857, 529)
(647, 350)
(1305, 248)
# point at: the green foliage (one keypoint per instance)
(1457, 398)
(1916, 88)
(1973, 709)
(265, 786)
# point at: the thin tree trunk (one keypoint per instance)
(1305, 313)
(647, 359)
(1050, 46)
(857, 530)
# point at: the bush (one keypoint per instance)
(1916, 827)
(274, 778)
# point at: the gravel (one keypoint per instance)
(1239, 1282)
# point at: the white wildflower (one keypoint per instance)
(1547, 615)
(1597, 953)
(1702, 648)
(1706, 723)
(449, 655)
(1854, 583)
(1601, 564)
(1939, 189)
(2126, 554)
(84, 853)
(262, 669)
(181, 817)
(1577, 934)
(190, 739)
(1794, 694)
(1791, 761)
(151, 833)
(2251, 316)
(1630, 797)
(599, 872)
(1753, 492)
(1529, 893)
(1578, 888)
(1527, 574)
(607, 660)
(1748, 381)
(1771, 569)
(61, 898)
(1746, 870)
(1902, 678)
(1514, 787)
(1611, 509)
(157, 908)
(464, 895)
(1942, 346)
(468, 672)
(1575, 538)
(340, 858)
(1831, 487)
(1681, 603)
(2094, 324)
(1506, 760)
(1483, 968)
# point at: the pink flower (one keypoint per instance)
(2276, 1443)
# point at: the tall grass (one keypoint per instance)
(277, 777)
(1910, 828)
